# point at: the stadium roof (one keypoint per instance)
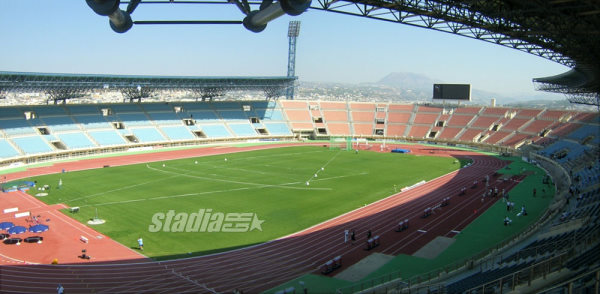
(565, 31)
(64, 86)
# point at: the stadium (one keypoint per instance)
(213, 195)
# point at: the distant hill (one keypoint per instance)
(407, 80)
(413, 87)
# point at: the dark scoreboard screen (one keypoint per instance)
(452, 91)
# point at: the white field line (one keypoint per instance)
(118, 189)
(326, 164)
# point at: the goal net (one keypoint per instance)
(340, 143)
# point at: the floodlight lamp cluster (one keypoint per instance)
(255, 20)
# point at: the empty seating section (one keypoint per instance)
(401, 107)
(528, 113)
(147, 135)
(422, 109)
(85, 126)
(588, 117)
(11, 112)
(467, 110)
(133, 119)
(75, 140)
(215, 131)
(233, 115)
(363, 129)
(459, 120)
(178, 133)
(60, 123)
(335, 116)
(418, 131)
(42, 111)
(92, 121)
(122, 108)
(294, 104)
(82, 109)
(425, 118)
(395, 130)
(537, 126)
(339, 129)
(278, 129)
(203, 115)
(555, 114)
(586, 131)
(449, 133)
(7, 150)
(298, 115)
(469, 135)
(226, 105)
(362, 106)
(399, 117)
(32, 144)
(243, 130)
(16, 127)
(107, 137)
(302, 126)
(515, 140)
(495, 111)
(563, 150)
(196, 106)
(363, 116)
(164, 118)
(515, 123)
(157, 107)
(484, 122)
(483, 277)
(270, 114)
(495, 137)
(334, 105)
(564, 129)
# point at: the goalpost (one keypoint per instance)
(340, 143)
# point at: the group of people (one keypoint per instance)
(351, 236)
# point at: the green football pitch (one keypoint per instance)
(275, 192)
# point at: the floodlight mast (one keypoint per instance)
(293, 33)
(255, 21)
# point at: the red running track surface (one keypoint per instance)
(267, 265)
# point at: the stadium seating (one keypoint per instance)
(215, 131)
(107, 137)
(243, 130)
(76, 140)
(148, 135)
(7, 150)
(32, 144)
(16, 126)
(164, 118)
(92, 121)
(178, 133)
(278, 128)
(60, 123)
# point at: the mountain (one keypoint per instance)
(408, 81)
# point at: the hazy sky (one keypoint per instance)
(67, 36)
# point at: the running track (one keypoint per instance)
(267, 265)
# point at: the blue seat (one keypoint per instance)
(147, 135)
(76, 140)
(32, 144)
(178, 133)
(107, 138)
(7, 150)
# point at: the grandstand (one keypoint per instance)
(558, 244)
